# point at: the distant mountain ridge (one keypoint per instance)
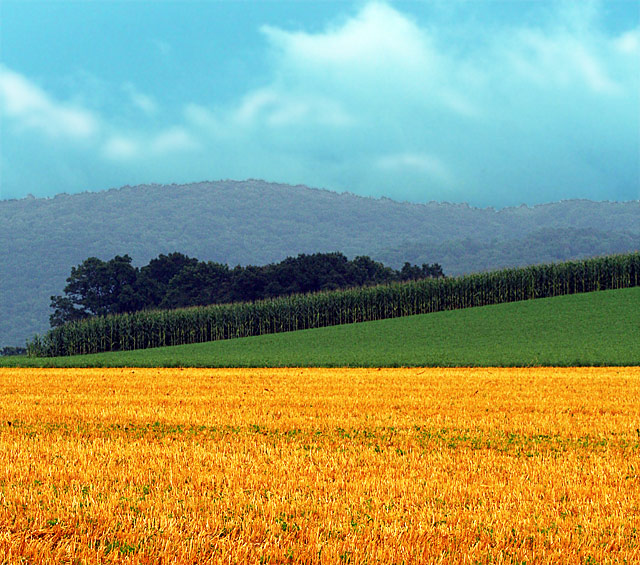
(256, 222)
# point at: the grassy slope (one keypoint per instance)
(601, 328)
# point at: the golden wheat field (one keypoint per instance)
(320, 465)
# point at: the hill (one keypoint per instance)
(254, 222)
(591, 329)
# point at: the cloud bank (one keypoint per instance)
(378, 103)
(30, 108)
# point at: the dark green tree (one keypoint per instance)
(97, 287)
(248, 283)
(366, 271)
(198, 285)
(154, 278)
(411, 272)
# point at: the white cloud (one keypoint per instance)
(255, 104)
(371, 40)
(277, 108)
(378, 57)
(595, 76)
(416, 162)
(172, 140)
(561, 61)
(119, 147)
(629, 42)
(141, 101)
(201, 120)
(137, 146)
(30, 107)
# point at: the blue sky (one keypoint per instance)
(492, 103)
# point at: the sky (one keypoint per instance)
(494, 103)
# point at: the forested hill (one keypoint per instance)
(254, 222)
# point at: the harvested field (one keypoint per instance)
(320, 465)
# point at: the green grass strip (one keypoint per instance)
(592, 329)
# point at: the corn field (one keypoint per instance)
(146, 329)
(320, 466)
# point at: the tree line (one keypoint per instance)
(10, 350)
(156, 328)
(98, 288)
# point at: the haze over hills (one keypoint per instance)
(255, 222)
